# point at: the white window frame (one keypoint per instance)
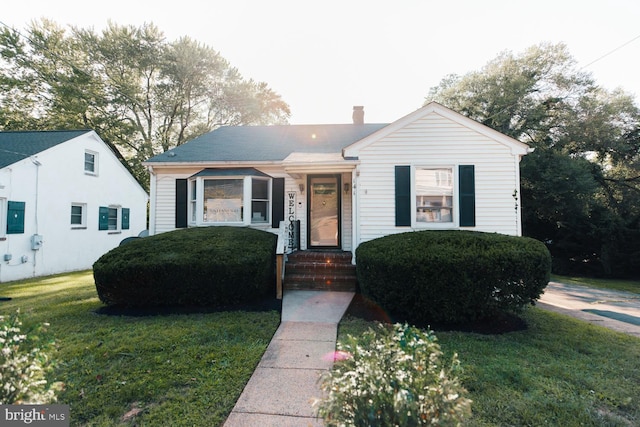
(454, 198)
(118, 210)
(93, 172)
(196, 207)
(83, 216)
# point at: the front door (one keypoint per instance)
(324, 211)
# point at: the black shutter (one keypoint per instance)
(181, 203)
(277, 202)
(467, 195)
(403, 196)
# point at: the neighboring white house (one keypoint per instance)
(345, 184)
(65, 200)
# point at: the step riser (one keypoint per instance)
(320, 271)
(347, 270)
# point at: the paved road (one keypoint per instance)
(616, 310)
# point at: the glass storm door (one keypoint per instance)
(324, 211)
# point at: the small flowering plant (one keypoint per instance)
(393, 377)
(22, 371)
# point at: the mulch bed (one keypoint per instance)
(365, 309)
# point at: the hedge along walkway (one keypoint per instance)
(283, 387)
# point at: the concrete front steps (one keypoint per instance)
(320, 270)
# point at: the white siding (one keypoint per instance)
(433, 141)
(163, 200)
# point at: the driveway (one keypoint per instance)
(616, 310)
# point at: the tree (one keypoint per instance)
(136, 90)
(581, 186)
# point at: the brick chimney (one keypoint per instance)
(358, 115)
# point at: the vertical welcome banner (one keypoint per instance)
(291, 218)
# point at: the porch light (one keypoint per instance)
(301, 188)
(346, 187)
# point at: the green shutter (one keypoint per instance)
(403, 196)
(125, 218)
(103, 218)
(15, 217)
(467, 195)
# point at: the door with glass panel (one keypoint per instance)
(324, 211)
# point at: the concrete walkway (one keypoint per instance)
(281, 391)
(615, 310)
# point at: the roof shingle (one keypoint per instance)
(266, 143)
(18, 145)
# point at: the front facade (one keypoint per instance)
(65, 200)
(342, 185)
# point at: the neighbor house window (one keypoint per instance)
(113, 218)
(434, 195)
(91, 162)
(78, 215)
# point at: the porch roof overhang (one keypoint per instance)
(303, 163)
(230, 172)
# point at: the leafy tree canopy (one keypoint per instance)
(581, 186)
(137, 90)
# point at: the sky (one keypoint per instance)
(324, 57)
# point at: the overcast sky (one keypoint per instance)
(324, 57)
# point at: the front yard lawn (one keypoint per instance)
(558, 372)
(155, 370)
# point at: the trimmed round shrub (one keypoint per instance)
(452, 276)
(204, 266)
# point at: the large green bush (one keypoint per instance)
(206, 266)
(452, 276)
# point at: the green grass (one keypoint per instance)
(178, 370)
(613, 284)
(558, 372)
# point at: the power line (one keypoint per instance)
(610, 52)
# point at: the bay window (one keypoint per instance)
(230, 196)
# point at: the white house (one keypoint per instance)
(345, 184)
(65, 199)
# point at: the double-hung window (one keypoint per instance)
(259, 200)
(78, 215)
(434, 195)
(90, 162)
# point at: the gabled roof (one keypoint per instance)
(517, 147)
(18, 145)
(266, 143)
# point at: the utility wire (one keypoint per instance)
(610, 52)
